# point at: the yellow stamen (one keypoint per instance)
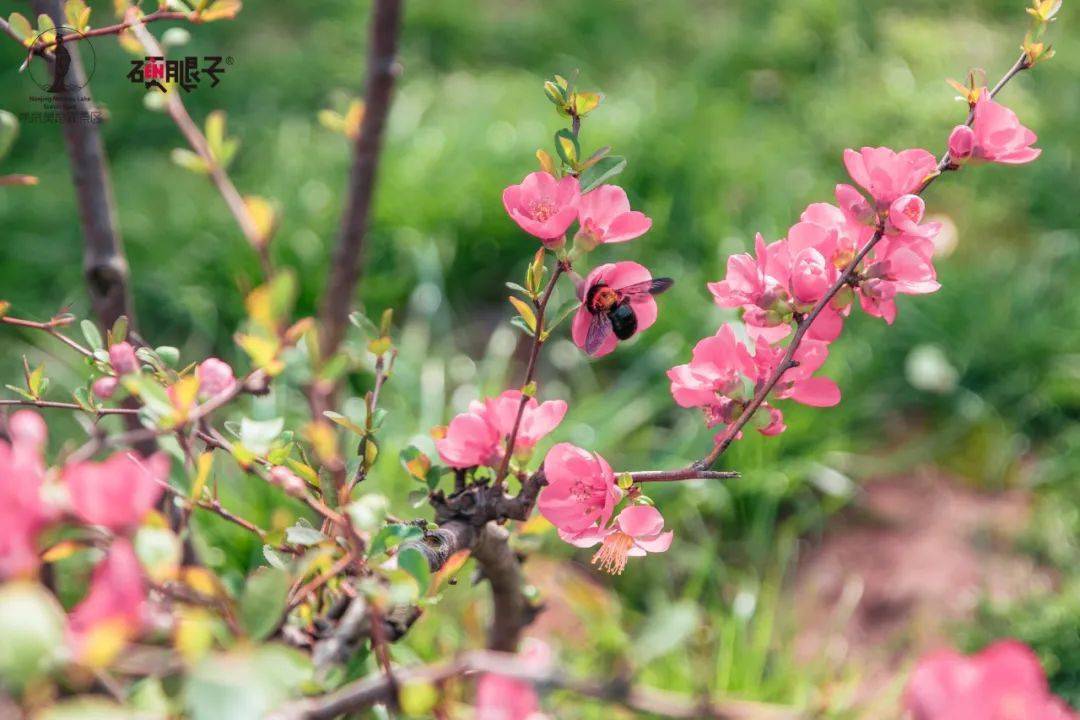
(611, 557)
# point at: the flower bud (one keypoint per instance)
(961, 143)
(287, 480)
(105, 387)
(809, 276)
(215, 377)
(27, 428)
(122, 358)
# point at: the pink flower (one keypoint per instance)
(543, 206)
(886, 174)
(720, 367)
(105, 387)
(638, 530)
(499, 697)
(119, 492)
(905, 214)
(122, 358)
(23, 513)
(995, 135)
(113, 605)
(470, 440)
(605, 217)
(1002, 682)
(537, 420)
(288, 481)
(581, 492)
(796, 383)
(897, 268)
(215, 377)
(608, 288)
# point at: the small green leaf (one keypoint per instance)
(36, 382)
(521, 325)
(92, 335)
(567, 147)
(263, 601)
(21, 27)
(168, 354)
(393, 535)
(274, 558)
(413, 562)
(189, 161)
(258, 435)
(525, 311)
(120, 329)
(339, 419)
(303, 534)
(604, 169)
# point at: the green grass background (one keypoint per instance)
(733, 116)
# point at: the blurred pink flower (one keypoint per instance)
(215, 377)
(23, 513)
(719, 366)
(542, 205)
(638, 530)
(499, 697)
(887, 174)
(105, 387)
(122, 358)
(581, 492)
(114, 603)
(288, 481)
(605, 216)
(995, 135)
(537, 420)
(1003, 682)
(603, 288)
(118, 492)
(470, 440)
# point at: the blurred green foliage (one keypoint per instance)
(733, 117)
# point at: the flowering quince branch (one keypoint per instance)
(900, 214)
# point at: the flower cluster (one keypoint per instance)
(114, 495)
(476, 437)
(1005, 680)
(871, 246)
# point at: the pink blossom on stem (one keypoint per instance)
(105, 387)
(897, 268)
(797, 383)
(995, 135)
(112, 611)
(470, 440)
(905, 215)
(638, 530)
(604, 216)
(537, 420)
(122, 358)
(118, 492)
(607, 287)
(1002, 682)
(542, 205)
(581, 492)
(288, 481)
(887, 174)
(23, 513)
(215, 377)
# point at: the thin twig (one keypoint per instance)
(174, 104)
(376, 689)
(530, 369)
(51, 404)
(382, 69)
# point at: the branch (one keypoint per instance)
(345, 267)
(174, 104)
(378, 689)
(534, 353)
(104, 264)
(511, 611)
(732, 430)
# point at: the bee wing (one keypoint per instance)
(648, 287)
(599, 329)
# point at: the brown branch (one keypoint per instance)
(377, 689)
(644, 476)
(345, 267)
(511, 611)
(50, 404)
(530, 370)
(50, 328)
(104, 264)
(787, 362)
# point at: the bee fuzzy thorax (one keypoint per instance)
(601, 298)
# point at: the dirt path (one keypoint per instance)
(912, 556)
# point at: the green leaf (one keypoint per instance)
(189, 161)
(37, 382)
(274, 558)
(413, 562)
(517, 288)
(21, 27)
(567, 147)
(92, 335)
(520, 324)
(525, 311)
(9, 130)
(120, 329)
(415, 462)
(263, 601)
(339, 419)
(32, 626)
(303, 534)
(666, 630)
(393, 535)
(258, 435)
(168, 354)
(604, 169)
